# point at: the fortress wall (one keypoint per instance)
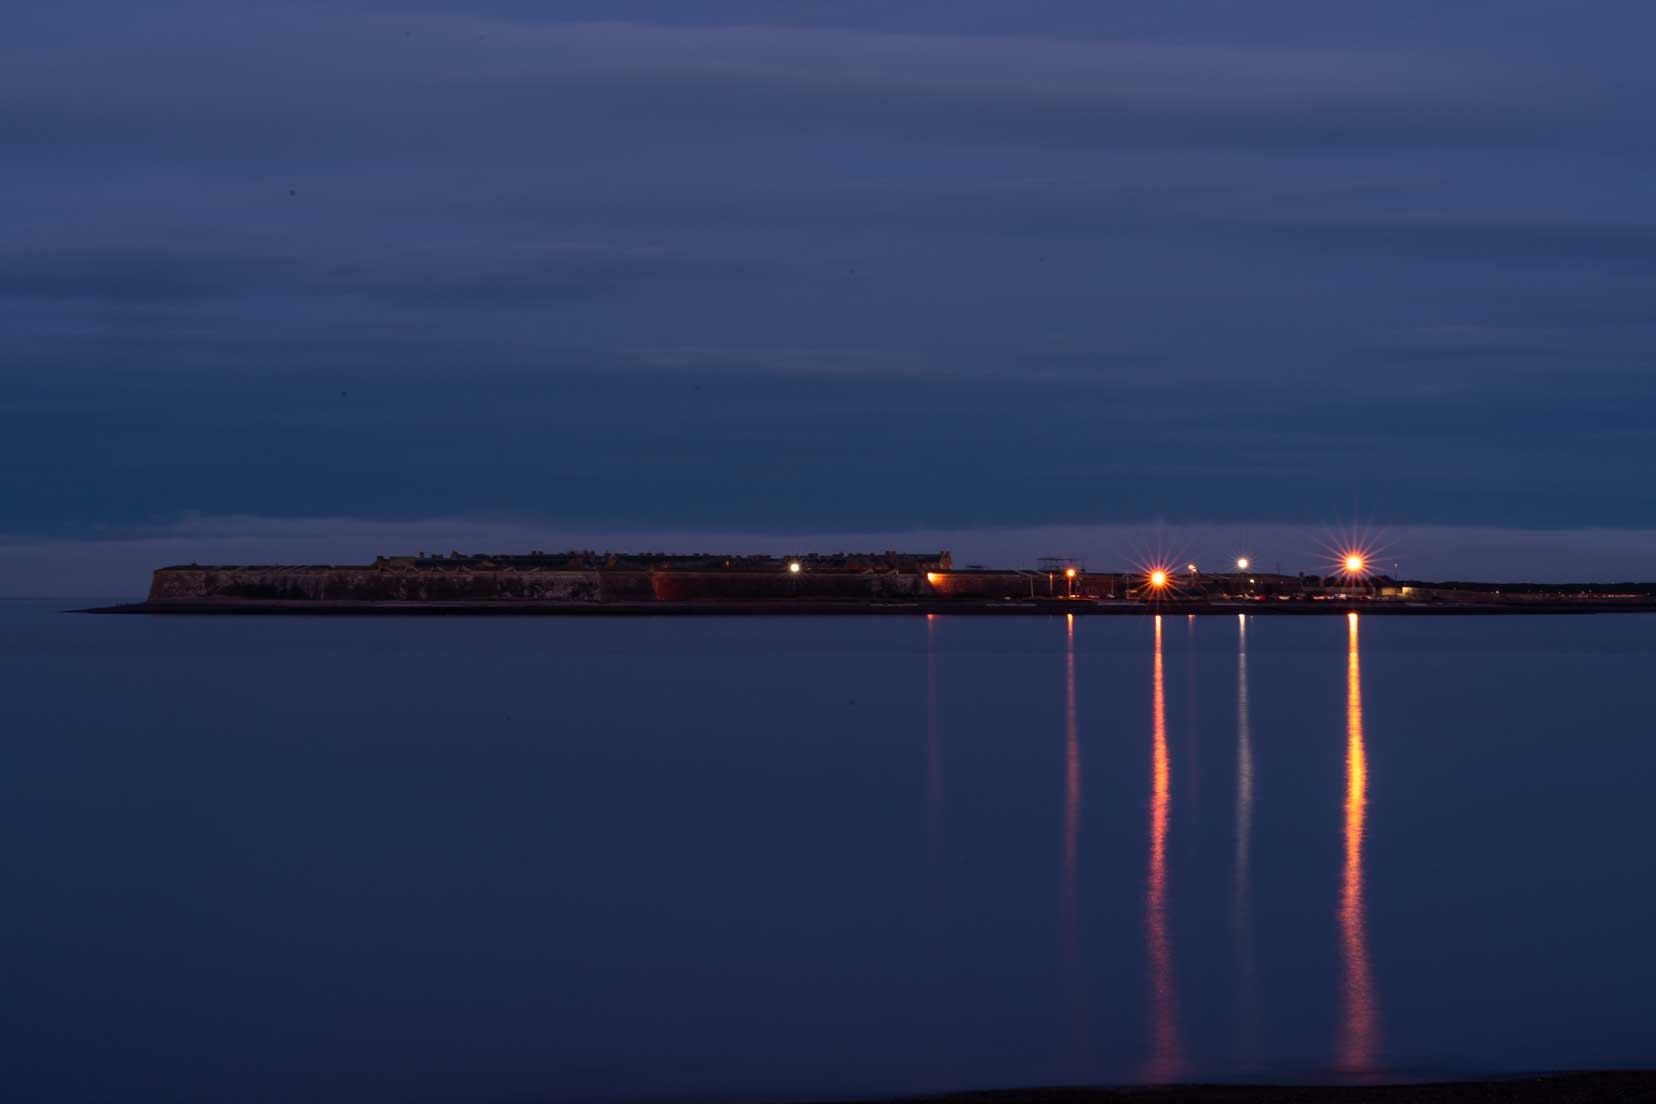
(625, 586)
(363, 584)
(987, 584)
(691, 586)
(372, 584)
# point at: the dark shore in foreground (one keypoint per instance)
(1627, 1087)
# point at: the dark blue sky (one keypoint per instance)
(819, 266)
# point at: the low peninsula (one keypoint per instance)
(619, 584)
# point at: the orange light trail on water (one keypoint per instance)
(934, 750)
(1072, 795)
(1166, 1052)
(1072, 833)
(1360, 1029)
(1247, 1016)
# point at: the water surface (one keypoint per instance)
(454, 859)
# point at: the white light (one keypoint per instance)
(1242, 563)
(793, 567)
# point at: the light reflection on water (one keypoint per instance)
(934, 752)
(1074, 979)
(1166, 1061)
(1247, 982)
(1360, 1026)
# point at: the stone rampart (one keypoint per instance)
(396, 583)
(367, 584)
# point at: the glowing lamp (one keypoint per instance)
(1069, 572)
(793, 567)
(1158, 579)
(1242, 563)
(1354, 564)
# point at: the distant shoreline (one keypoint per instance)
(955, 606)
(841, 583)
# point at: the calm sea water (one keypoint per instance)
(451, 859)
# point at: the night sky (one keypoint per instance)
(406, 271)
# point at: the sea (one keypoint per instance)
(793, 858)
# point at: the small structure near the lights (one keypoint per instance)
(1068, 568)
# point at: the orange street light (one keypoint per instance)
(1354, 564)
(1158, 579)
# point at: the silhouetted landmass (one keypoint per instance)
(835, 582)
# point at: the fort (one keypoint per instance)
(579, 582)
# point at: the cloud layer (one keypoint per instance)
(841, 265)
